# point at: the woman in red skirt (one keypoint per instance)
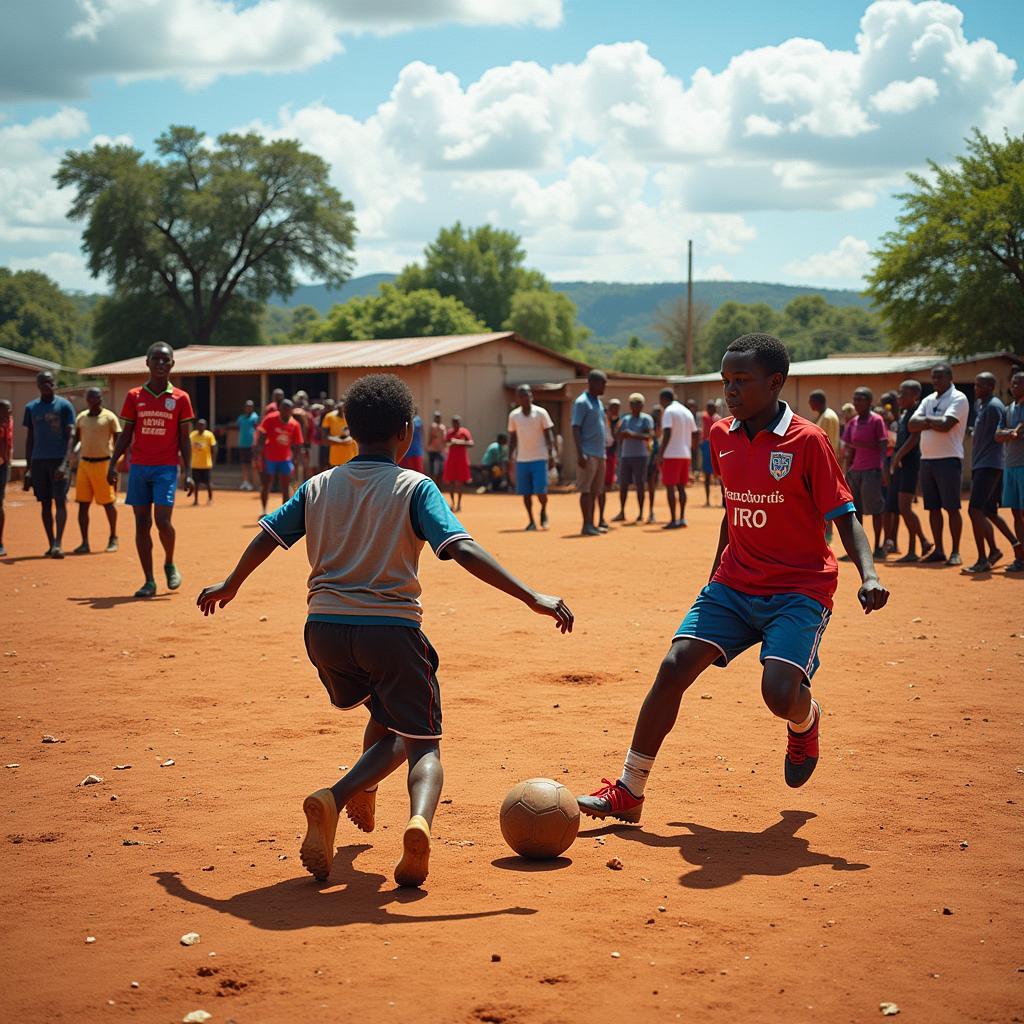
(456, 466)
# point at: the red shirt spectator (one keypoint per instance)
(280, 437)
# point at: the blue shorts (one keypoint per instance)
(1013, 487)
(152, 485)
(705, 456)
(285, 468)
(532, 477)
(789, 626)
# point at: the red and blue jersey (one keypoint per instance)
(780, 488)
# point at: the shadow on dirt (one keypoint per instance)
(110, 601)
(721, 858)
(303, 903)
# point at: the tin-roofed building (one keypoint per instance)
(18, 384)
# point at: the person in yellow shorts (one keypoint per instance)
(342, 444)
(96, 431)
(203, 444)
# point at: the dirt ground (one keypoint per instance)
(894, 876)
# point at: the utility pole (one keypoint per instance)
(689, 307)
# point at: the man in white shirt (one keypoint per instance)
(531, 452)
(941, 420)
(678, 448)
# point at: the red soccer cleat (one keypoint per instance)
(802, 752)
(612, 800)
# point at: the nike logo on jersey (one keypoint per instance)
(722, 455)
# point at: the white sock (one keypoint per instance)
(806, 723)
(635, 772)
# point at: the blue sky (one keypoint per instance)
(587, 127)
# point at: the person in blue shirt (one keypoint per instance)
(50, 424)
(414, 456)
(247, 424)
(589, 436)
(365, 524)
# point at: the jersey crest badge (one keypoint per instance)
(169, 404)
(779, 464)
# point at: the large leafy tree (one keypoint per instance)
(729, 321)
(546, 317)
(37, 318)
(952, 274)
(206, 224)
(397, 314)
(481, 267)
(127, 323)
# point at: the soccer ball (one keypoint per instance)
(539, 818)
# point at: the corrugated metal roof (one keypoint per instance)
(856, 366)
(8, 355)
(325, 355)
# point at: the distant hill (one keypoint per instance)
(611, 310)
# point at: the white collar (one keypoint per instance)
(780, 428)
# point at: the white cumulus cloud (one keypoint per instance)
(849, 261)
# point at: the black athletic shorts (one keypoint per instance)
(903, 481)
(245, 456)
(986, 489)
(45, 485)
(940, 484)
(201, 476)
(392, 668)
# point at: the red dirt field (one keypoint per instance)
(894, 876)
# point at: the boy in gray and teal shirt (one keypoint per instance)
(365, 524)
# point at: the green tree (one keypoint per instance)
(730, 320)
(546, 317)
(37, 318)
(206, 225)
(813, 328)
(125, 324)
(952, 274)
(398, 314)
(482, 268)
(636, 357)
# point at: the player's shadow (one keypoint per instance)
(109, 601)
(721, 857)
(302, 903)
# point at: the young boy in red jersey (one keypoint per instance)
(365, 524)
(156, 419)
(278, 440)
(773, 575)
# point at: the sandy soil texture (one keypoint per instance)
(894, 876)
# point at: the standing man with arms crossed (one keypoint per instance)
(531, 452)
(156, 421)
(678, 450)
(588, 424)
(941, 420)
(50, 424)
(96, 430)
(1011, 436)
(247, 424)
(987, 477)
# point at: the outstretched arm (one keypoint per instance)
(872, 595)
(476, 560)
(219, 594)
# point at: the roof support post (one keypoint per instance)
(264, 392)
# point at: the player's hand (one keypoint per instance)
(112, 475)
(872, 596)
(215, 596)
(581, 460)
(895, 464)
(542, 604)
(190, 487)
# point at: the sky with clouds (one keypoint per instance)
(773, 133)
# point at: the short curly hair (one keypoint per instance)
(377, 406)
(768, 350)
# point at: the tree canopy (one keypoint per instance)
(37, 318)
(546, 317)
(393, 313)
(206, 225)
(952, 274)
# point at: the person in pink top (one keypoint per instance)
(456, 466)
(866, 438)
